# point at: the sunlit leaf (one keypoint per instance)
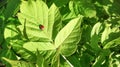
(96, 29)
(106, 32)
(31, 15)
(33, 46)
(68, 38)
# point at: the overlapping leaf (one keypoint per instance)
(13, 33)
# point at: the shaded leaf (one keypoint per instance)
(112, 43)
(41, 61)
(15, 63)
(12, 8)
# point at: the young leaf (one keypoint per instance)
(68, 38)
(96, 29)
(105, 33)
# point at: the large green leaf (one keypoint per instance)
(32, 15)
(36, 13)
(68, 38)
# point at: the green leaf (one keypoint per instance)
(48, 55)
(114, 60)
(8, 53)
(112, 43)
(94, 43)
(114, 8)
(41, 61)
(13, 33)
(68, 38)
(54, 21)
(16, 42)
(33, 46)
(12, 8)
(35, 13)
(85, 60)
(56, 59)
(75, 62)
(32, 15)
(16, 63)
(106, 32)
(83, 9)
(101, 58)
(60, 2)
(23, 53)
(69, 14)
(88, 10)
(96, 29)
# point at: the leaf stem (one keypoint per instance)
(67, 61)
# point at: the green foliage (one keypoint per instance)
(74, 33)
